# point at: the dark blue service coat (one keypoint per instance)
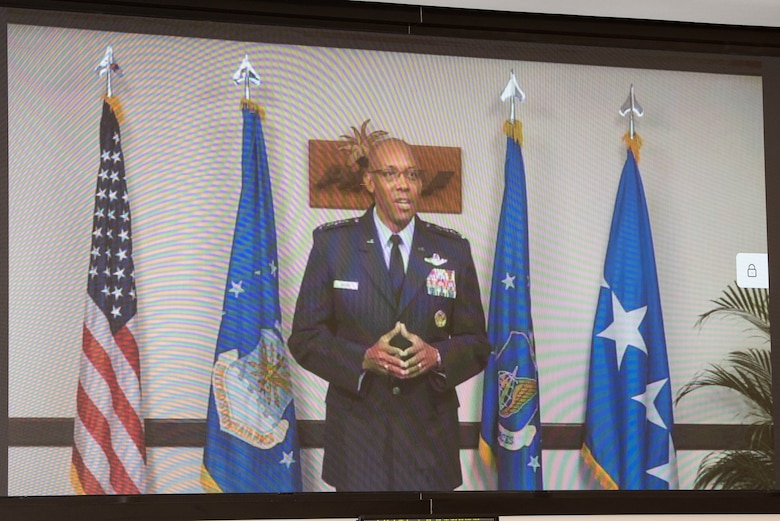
(383, 433)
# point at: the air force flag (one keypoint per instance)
(511, 435)
(251, 438)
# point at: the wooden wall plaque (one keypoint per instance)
(333, 184)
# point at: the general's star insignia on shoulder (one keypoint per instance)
(337, 224)
(444, 231)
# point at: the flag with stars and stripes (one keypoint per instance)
(628, 426)
(109, 452)
(251, 437)
(511, 437)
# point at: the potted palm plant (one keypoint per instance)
(748, 372)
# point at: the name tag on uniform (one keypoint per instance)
(345, 284)
(441, 283)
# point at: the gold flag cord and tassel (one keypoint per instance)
(116, 107)
(634, 144)
(514, 129)
(248, 104)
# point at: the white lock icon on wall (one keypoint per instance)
(752, 270)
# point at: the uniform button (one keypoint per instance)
(396, 390)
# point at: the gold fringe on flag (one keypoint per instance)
(207, 482)
(634, 144)
(116, 107)
(601, 475)
(514, 130)
(486, 453)
(253, 106)
(75, 481)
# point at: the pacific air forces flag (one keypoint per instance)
(252, 440)
(109, 451)
(511, 436)
(628, 426)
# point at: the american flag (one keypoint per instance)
(109, 452)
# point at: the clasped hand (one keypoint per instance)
(414, 361)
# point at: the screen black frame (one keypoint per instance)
(563, 39)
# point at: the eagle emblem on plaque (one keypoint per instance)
(253, 391)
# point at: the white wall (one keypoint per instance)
(702, 166)
(735, 12)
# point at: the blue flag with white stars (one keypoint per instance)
(628, 427)
(511, 437)
(251, 439)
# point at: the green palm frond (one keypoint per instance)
(748, 372)
(750, 304)
(736, 470)
(762, 436)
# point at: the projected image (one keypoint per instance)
(575, 256)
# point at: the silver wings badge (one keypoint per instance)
(435, 260)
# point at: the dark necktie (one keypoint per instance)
(396, 267)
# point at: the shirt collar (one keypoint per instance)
(384, 233)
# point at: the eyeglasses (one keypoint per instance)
(393, 174)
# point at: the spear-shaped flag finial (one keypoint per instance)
(631, 107)
(246, 74)
(512, 91)
(108, 67)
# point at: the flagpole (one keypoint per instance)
(246, 75)
(510, 431)
(108, 66)
(109, 448)
(250, 448)
(630, 108)
(514, 92)
(629, 418)
(512, 106)
(513, 127)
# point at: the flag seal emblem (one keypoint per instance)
(514, 392)
(253, 391)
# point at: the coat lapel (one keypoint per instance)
(374, 261)
(417, 271)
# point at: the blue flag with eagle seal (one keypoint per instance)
(511, 437)
(252, 441)
(628, 427)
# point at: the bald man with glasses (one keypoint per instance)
(389, 314)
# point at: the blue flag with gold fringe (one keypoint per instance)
(252, 441)
(628, 426)
(511, 437)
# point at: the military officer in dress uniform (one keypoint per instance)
(389, 314)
